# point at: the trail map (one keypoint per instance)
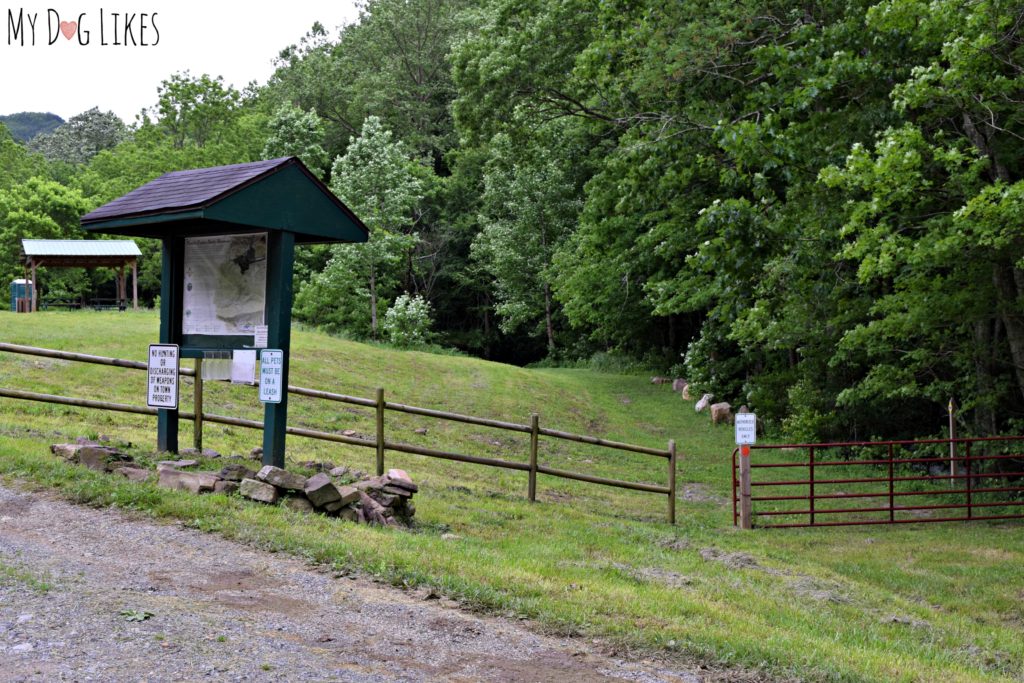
(225, 284)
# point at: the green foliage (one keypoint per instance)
(82, 137)
(40, 209)
(376, 180)
(407, 321)
(294, 132)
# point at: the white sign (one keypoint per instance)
(225, 284)
(260, 335)
(271, 375)
(163, 376)
(243, 367)
(746, 429)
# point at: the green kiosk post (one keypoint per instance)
(229, 235)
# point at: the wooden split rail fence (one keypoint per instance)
(380, 445)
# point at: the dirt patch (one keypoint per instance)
(733, 560)
(655, 575)
(819, 591)
(15, 506)
(700, 493)
(675, 544)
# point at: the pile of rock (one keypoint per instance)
(384, 500)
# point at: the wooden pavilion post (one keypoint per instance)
(33, 305)
(135, 284)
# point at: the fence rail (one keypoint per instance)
(379, 444)
(977, 477)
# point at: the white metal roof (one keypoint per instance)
(98, 248)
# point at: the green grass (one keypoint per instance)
(13, 573)
(912, 603)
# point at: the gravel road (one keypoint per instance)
(222, 611)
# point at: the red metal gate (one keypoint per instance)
(883, 482)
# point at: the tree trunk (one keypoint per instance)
(985, 341)
(373, 302)
(547, 318)
(1010, 315)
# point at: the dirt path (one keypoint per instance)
(225, 612)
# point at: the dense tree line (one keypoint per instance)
(813, 209)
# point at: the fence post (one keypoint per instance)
(197, 401)
(967, 465)
(892, 492)
(671, 481)
(534, 438)
(380, 431)
(746, 512)
(810, 469)
(952, 443)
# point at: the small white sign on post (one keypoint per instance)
(746, 429)
(271, 375)
(163, 376)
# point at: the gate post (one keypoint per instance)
(746, 512)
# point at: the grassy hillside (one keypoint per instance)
(925, 603)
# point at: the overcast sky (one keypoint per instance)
(236, 40)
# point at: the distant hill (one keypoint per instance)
(26, 125)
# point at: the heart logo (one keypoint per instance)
(69, 28)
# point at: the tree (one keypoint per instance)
(82, 137)
(195, 110)
(294, 132)
(530, 204)
(40, 209)
(375, 180)
(17, 164)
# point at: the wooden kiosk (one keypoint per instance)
(229, 235)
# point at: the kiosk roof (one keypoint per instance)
(276, 194)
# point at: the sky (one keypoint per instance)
(85, 54)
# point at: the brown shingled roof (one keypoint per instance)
(184, 190)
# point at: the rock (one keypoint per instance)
(320, 490)
(349, 494)
(68, 451)
(178, 464)
(660, 380)
(335, 506)
(236, 472)
(298, 503)
(349, 432)
(349, 514)
(397, 491)
(282, 479)
(402, 481)
(258, 490)
(210, 453)
(226, 487)
(370, 484)
(743, 410)
(372, 511)
(721, 412)
(420, 430)
(136, 474)
(703, 403)
(193, 482)
(256, 453)
(685, 393)
(101, 458)
(386, 499)
(678, 384)
(339, 472)
(21, 648)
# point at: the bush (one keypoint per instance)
(407, 322)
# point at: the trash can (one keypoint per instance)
(20, 289)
